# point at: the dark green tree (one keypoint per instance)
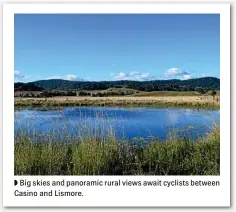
(213, 94)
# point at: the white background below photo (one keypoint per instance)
(203, 196)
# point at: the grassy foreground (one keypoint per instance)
(110, 157)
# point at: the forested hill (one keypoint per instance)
(208, 83)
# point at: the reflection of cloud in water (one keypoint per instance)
(173, 116)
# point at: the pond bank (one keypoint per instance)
(184, 102)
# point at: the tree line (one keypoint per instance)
(205, 83)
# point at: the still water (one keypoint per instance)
(128, 123)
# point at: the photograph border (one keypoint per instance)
(218, 196)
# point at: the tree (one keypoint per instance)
(200, 90)
(99, 94)
(213, 93)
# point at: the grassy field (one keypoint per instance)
(157, 101)
(175, 156)
(174, 93)
(126, 91)
(167, 93)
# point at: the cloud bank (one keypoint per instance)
(172, 73)
(70, 77)
(134, 75)
(175, 73)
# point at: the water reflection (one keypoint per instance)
(123, 122)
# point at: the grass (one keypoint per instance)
(205, 102)
(167, 93)
(91, 156)
(116, 90)
(174, 93)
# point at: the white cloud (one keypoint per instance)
(187, 76)
(73, 77)
(175, 73)
(18, 76)
(134, 75)
(206, 75)
(70, 77)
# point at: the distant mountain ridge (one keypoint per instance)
(208, 83)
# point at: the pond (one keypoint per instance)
(123, 123)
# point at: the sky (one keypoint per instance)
(96, 47)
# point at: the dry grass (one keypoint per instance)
(126, 98)
(168, 101)
(167, 93)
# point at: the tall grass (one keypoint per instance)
(91, 156)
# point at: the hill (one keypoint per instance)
(206, 83)
(31, 86)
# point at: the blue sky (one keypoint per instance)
(116, 47)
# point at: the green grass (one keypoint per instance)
(90, 156)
